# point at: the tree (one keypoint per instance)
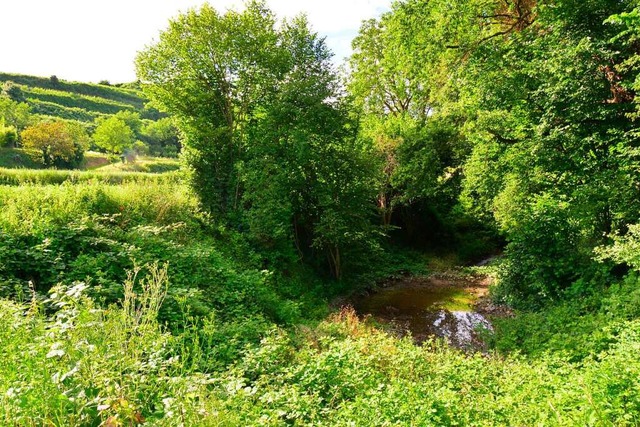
(400, 80)
(553, 142)
(266, 134)
(131, 119)
(113, 135)
(307, 178)
(211, 72)
(162, 137)
(13, 91)
(16, 114)
(57, 143)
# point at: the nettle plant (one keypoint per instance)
(66, 361)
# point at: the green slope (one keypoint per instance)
(82, 102)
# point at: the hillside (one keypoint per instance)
(82, 102)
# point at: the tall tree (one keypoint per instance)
(211, 71)
(401, 72)
(266, 136)
(307, 177)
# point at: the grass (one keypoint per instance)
(18, 167)
(94, 160)
(144, 164)
(91, 366)
(19, 177)
(17, 158)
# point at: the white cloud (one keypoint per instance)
(91, 40)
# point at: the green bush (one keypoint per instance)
(8, 136)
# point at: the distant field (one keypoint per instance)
(18, 167)
(119, 94)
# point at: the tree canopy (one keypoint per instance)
(267, 138)
(57, 143)
(113, 135)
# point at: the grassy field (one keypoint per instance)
(18, 166)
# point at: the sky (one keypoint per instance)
(93, 40)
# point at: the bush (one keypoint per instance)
(8, 136)
(13, 91)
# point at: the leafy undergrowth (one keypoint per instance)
(94, 232)
(215, 335)
(576, 328)
(68, 362)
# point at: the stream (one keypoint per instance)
(441, 305)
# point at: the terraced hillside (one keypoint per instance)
(81, 102)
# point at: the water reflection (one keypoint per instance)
(430, 307)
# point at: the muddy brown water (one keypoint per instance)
(438, 306)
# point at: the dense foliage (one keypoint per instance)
(521, 112)
(267, 138)
(202, 297)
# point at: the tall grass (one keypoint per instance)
(17, 177)
(82, 365)
(141, 198)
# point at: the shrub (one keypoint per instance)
(57, 143)
(8, 136)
